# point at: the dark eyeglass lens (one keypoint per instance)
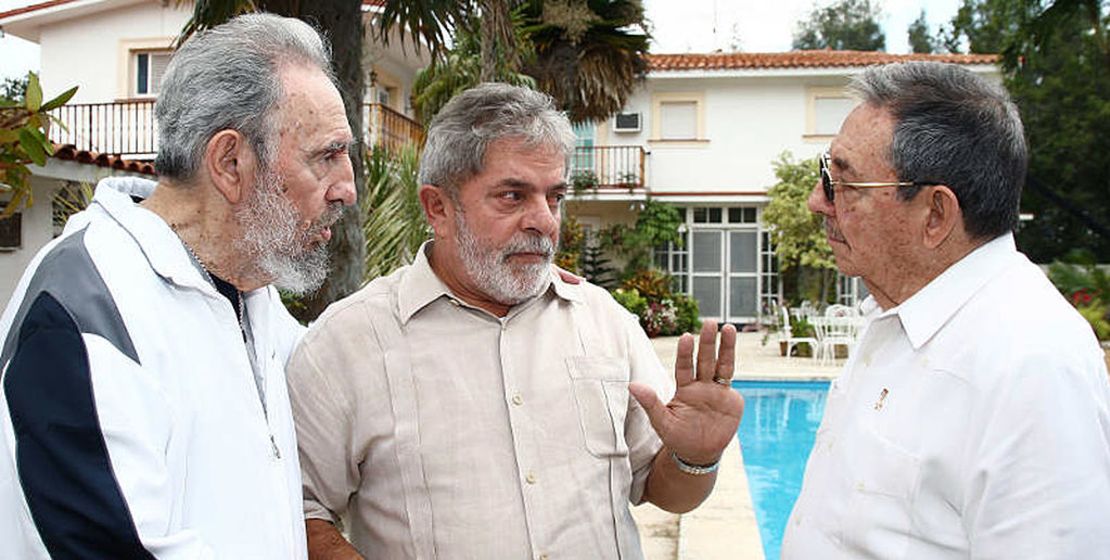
(826, 179)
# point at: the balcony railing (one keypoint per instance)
(390, 129)
(128, 128)
(124, 128)
(599, 168)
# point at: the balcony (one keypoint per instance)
(127, 128)
(601, 169)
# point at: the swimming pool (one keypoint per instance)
(776, 435)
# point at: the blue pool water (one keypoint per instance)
(776, 435)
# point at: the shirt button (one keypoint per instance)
(859, 486)
(544, 557)
(530, 478)
(518, 400)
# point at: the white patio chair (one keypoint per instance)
(833, 332)
(840, 310)
(787, 335)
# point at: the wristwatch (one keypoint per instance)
(695, 470)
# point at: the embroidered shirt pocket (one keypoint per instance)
(600, 386)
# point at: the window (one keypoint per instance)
(678, 117)
(11, 231)
(827, 109)
(707, 215)
(769, 277)
(678, 120)
(149, 67)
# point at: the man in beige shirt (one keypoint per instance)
(475, 404)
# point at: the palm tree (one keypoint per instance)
(588, 54)
(461, 68)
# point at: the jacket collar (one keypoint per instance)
(163, 249)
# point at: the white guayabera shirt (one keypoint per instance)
(972, 422)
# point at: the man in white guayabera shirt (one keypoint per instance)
(475, 404)
(973, 420)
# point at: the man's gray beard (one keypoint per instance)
(489, 269)
(275, 243)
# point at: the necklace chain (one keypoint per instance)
(211, 280)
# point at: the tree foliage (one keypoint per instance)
(797, 234)
(587, 54)
(23, 141)
(460, 68)
(844, 25)
(1056, 66)
(392, 218)
(656, 225)
(14, 89)
(920, 39)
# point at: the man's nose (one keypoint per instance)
(539, 216)
(817, 203)
(343, 189)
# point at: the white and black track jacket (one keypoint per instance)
(131, 421)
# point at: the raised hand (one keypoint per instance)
(702, 418)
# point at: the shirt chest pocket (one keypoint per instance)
(600, 387)
(885, 484)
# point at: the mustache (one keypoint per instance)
(529, 244)
(831, 230)
(332, 214)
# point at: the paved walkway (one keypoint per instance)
(724, 526)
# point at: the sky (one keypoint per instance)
(678, 26)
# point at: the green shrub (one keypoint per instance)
(631, 300)
(686, 308)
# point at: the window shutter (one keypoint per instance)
(158, 63)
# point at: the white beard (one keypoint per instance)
(491, 272)
(275, 242)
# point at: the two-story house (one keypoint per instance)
(116, 52)
(701, 133)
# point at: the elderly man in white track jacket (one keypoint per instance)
(143, 405)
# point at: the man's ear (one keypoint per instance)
(438, 208)
(231, 164)
(945, 215)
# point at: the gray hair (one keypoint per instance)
(954, 128)
(228, 77)
(463, 130)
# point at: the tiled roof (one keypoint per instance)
(68, 152)
(800, 59)
(52, 3)
(34, 8)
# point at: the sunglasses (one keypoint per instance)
(828, 184)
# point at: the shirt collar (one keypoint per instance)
(420, 286)
(924, 313)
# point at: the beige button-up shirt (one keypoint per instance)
(436, 430)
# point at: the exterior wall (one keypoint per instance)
(748, 122)
(92, 51)
(394, 65)
(38, 230)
